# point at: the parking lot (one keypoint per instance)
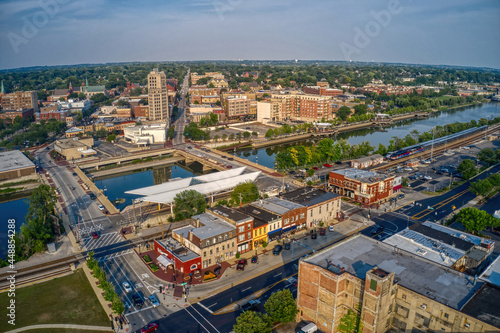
(257, 127)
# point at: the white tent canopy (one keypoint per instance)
(163, 259)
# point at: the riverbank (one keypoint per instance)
(17, 192)
(121, 169)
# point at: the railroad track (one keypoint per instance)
(439, 149)
(41, 272)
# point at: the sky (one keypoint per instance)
(65, 32)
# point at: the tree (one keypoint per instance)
(62, 99)
(350, 322)
(189, 203)
(171, 133)
(82, 96)
(72, 95)
(344, 112)
(224, 137)
(489, 156)
(122, 102)
(248, 191)
(475, 220)
(246, 135)
(269, 133)
(101, 133)
(482, 187)
(252, 322)
(360, 109)
(117, 306)
(281, 307)
(467, 168)
(111, 138)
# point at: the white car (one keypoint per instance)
(101, 207)
(331, 228)
(127, 286)
(427, 177)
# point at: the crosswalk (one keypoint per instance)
(115, 255)
(89, 243)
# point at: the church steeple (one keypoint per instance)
(70, 88)
(86, 82)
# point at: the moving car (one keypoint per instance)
(401, 196)
(251, 305)
(137, 299)
(241, 265)
(254, 259)
(314, 236)
(331, 228)
(327, 165)
(322, 231)
(277, 250)
(154, 300)
(101, 207)
(229, 167)
(230, 159)
(127, 286)
(315, 168)
(151, 327)
(95, 235)
(92, 196)
(287, 246)
(376, 230)
(224, 156)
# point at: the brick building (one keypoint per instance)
(391, 290)
(14, 164)
(172, 253)
(243, 224)
(59, 115)
(322, 91)
(19, 100)
(12, 114)
(237, 106)
(366, 187)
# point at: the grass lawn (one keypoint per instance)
(64, 330)
(65, 300)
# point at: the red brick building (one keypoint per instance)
(12, 114)
(59, 115)
(322, 91)
(363, 186)
(243, 223)
(182, 259)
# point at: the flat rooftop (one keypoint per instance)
(13, 160)
(211, 226)
(258, 213)
(309, 196)
(492, 273)
(69, 143)
(180, 252)
(484, 305)
(232, 214)
(362, 175)
(442, 237)
(358, 254)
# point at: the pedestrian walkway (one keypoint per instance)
(63, 326)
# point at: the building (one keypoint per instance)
(15, 165)
(322, 206)
(19, 100)
(263, 222)
(12, 114)
(209, 236)
(392, 290)
(158, 96)
(292, 216)
(218, 83)
(141, 111)
(215, 75)
(322, 90)
(146, 134)
(264, 112)
(124, 113)
(90, 91)
(174, 254)
(237, 107)
(243, 224)
(59, 115)
(74, 149)
(365, 187)
(367, 161)
(445, 246)
(75, 131)
(197, 111)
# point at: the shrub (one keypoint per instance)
(153, 267)
(146, 258)
(209, 276)
(237, 255)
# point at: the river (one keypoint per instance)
(265, 156)
(17, 210)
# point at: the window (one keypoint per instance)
(320, 209)
(249, 226)
(211, 252)
(292, 219)
(194, 266)
(249, 235)
(220, 239)
(241, 238)
(222, 247)
(217, 249)
(214, 240)
(241, 229)
(209, 261)
(225, 236)
(204, 253)
(447, 316)
(230, 235)
(373, 285)
(302, 215)
(232, 245)
(208, 243)
(311, 213)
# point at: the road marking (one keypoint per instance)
(278, 275)
(203, 306)
(196, 320)
(144, 276)
(205, 319)
(248, 288)
(212, 305)
(141, 309)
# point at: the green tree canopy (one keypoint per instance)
(350, 322)
(475, 220)
(281, 306)
(188, 203)
(360, 109)
(344, 112)
(481, 187)
(248, 190)
(467, 168)
(252, 322)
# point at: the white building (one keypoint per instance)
(76, 104)
(146, 134)
(263, 112)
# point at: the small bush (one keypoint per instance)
(237, 255)
(147, 258)
(153, 267)
(209, 276)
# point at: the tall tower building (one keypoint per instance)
(158, 96)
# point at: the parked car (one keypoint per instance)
(322, 231)
(412, 177)
(314, 236)
(95, 235)
(92, 196)
(401, 196)
(327, 165)
(427, 177)
(127, 287)
(224, 156)
(331, 228)
(252, 304)
(151, 327)
(154, 300)
(189, 147)
(408, 169)
(287, 246)
(376, 230)
(101, 207)
(254, 259)
(229, 167)
(137, 299)
(315, 168)
(241, 265)
(277, 250)
(74, 174)
(230, 159)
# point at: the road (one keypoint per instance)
(180, 122)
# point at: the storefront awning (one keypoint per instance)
(163, 259)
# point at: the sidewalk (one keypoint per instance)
(62, 326)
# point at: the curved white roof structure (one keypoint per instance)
(206, 184)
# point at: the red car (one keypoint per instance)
(149, 328)
(327, 165)
(322, 231)
(315, 168)
(95, 235)
(241, 265)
